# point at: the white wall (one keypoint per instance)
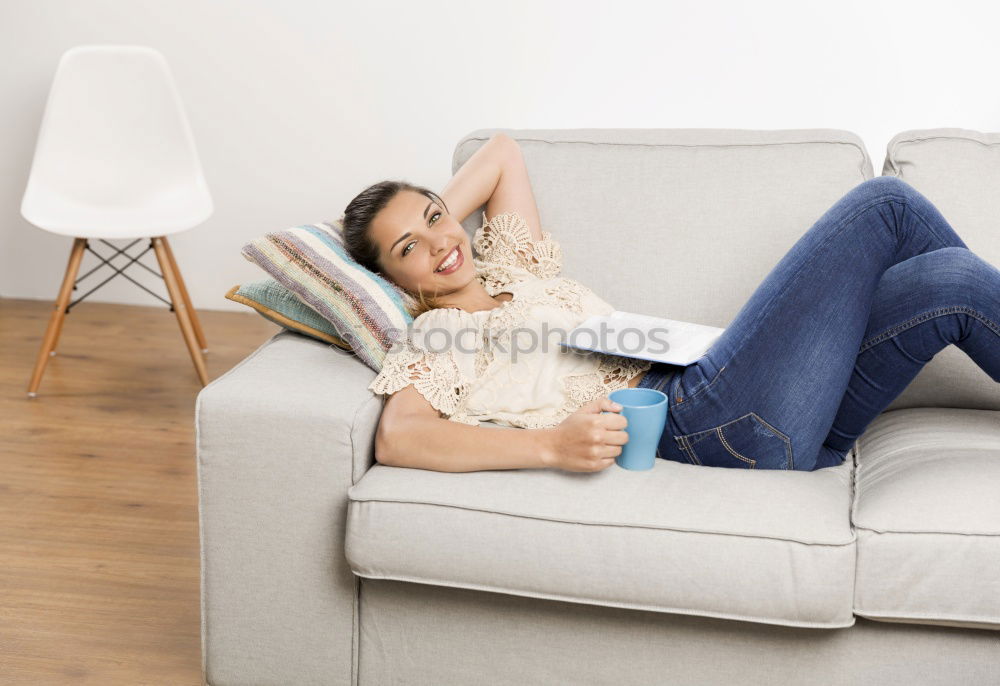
(298, 105)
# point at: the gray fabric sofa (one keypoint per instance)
(321, 566)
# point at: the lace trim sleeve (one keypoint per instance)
(509, 253)
(435, 375)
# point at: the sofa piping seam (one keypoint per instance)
(858, 148)
(851, 542)
(957, 618)
(894, 146)
(923, 533)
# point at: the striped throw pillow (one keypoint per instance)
(367, 311)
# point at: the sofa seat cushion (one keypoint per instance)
(760, 546)
(927, 515)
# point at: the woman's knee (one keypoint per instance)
(887, 185)
(957, 274)
(876, 190)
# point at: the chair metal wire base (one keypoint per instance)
(118, 272)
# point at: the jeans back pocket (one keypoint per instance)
(747, 442)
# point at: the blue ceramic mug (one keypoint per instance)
(646, 412)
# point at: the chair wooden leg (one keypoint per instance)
(58, 314)
(180, 309)
(199, 334)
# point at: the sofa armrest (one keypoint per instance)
(280, 439)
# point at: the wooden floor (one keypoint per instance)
(99, 559)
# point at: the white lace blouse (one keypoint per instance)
(505, 365)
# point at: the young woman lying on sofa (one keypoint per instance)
(836, 331)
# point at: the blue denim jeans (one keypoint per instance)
(836, 331)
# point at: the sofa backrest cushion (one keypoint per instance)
(959, 171)
(680, 223)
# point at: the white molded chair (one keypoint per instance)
(115, 159)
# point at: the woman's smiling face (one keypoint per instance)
(416, 236)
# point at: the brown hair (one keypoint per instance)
(360, 246)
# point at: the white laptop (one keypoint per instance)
(644, 337)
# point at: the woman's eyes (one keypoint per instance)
(406, 248)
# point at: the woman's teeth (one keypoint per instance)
(449, 262)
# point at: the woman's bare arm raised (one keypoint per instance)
(495, 175)
(513, 191)
(474, 182)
